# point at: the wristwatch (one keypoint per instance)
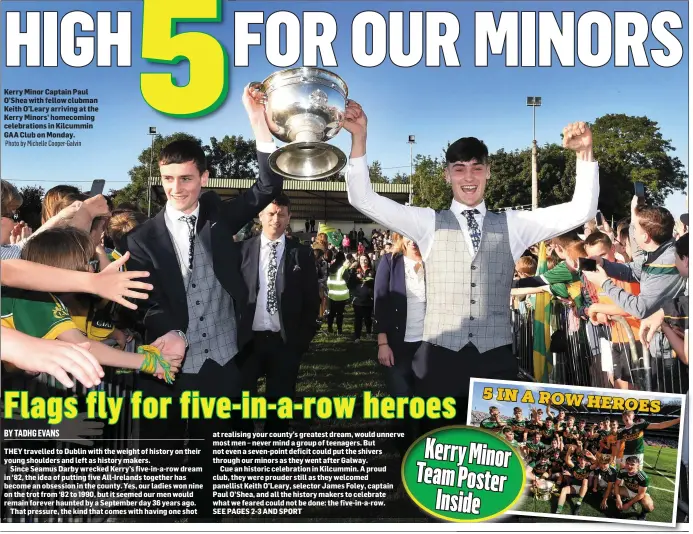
(185, 338)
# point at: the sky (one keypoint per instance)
(437, 105)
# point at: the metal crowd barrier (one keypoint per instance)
(576, 353)
(123, 434)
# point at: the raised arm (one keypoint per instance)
(246, 207)
(529, 227)
(660, 288)
(664, 424)
(416, 223)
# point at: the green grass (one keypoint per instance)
(661, 490)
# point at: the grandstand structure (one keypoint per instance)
(326, 201)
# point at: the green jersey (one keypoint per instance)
(533, 450)
(558, 464)
(591, 443)
(541, 467)
(634, 442)
(492, 425)
(610, 474)
(578, 473)
(547, 435)
(518, 426)
(571, 435)
(533, 428)
(36, 314)
(634, 482)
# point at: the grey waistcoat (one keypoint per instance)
(211, 319)
(468, 298)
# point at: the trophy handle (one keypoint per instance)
(261, 88)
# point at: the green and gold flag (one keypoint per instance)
(542, 332)
(333, 235)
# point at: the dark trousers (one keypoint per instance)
(400, 383)
(267, 355)
(442, 372)
(362, 314)
(336, 313)
(213, 380)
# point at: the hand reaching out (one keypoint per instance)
(114, 285)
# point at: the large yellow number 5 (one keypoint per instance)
(209, 77)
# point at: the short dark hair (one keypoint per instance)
(467, 149)
(182, 151)
(682, 246)
(598, 238)
(624, 235)
(282, 200)
(657, 222)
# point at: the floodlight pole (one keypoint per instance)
(412, 141)
(534, 102)
(152, 134)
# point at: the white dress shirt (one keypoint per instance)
(263, 321)
(180, 235)
(525, 227)
(415, 282)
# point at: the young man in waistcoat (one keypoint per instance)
(469, 254)
(198, 298)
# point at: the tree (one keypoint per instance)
(429, 185)
(30, 210)
(375, 171)
(232, 157)
(135, 192)
(337, 177)
(627, 148)
(400, 178)
(632, 149)
(511, 177)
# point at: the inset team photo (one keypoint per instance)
(590, 453)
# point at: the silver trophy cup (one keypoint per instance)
(305, 107)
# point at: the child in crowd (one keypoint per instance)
(46, 316)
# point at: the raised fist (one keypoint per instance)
(577, 137)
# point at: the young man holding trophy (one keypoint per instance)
(469, 253)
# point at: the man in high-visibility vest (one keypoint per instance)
(337, 291)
